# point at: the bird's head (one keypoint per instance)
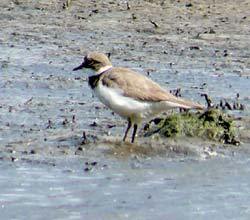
(97, 62)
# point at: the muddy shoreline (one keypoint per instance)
(193, 43)
(46, 161)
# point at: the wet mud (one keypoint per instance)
(54, 131)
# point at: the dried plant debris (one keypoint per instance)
(224, 104)
(212, 124)
(66, 4)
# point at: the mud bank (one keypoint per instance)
(197, 47)
(60, 148)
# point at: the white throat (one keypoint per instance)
(91, 72)
(102, 69)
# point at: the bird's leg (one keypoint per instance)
(127, 130)
(134, 133)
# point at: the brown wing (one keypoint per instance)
(140, 87)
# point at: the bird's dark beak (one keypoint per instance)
(79, 67)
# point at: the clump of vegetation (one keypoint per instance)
(212, 124)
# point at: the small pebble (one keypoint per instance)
(87, 169)
(32, 151)
(93, 163)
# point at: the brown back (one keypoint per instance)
(140, 87)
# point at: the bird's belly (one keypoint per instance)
(122, 105)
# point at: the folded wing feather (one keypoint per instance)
(141, 88)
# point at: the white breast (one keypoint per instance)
(122, 105)
(127, 106)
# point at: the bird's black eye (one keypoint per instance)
(88, 60)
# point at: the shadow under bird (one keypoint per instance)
(133, 96)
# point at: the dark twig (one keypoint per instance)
(154, 23)
(84, 138)
(208, 100)
(128, 5)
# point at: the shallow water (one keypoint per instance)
(46, 170)
(154, 188)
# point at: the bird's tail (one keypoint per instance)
(186, 104)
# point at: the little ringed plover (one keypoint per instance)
(129, 94)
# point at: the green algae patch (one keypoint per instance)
(212, 124)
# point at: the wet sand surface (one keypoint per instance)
(48, 169)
